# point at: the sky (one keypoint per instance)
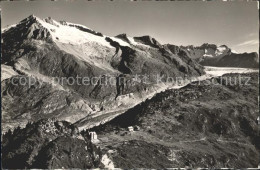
(235, 24)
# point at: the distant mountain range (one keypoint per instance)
(219, 56)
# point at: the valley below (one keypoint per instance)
(104, 116)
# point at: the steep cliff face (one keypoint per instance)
(220, 56)
(49, 144)
(71, 61)
(147, 40)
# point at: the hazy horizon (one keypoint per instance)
(234, 24)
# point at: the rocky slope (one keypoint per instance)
(205, 124)
(53, 54)
(198, 125)
(219, 56)
(49, 144)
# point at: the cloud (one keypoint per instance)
(253, 34)
(234, 51)
(248, 43)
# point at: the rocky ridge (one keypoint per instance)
(44, 49)
(219, 56)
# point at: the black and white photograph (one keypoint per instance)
(130, 84)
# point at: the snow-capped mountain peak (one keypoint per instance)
(221, 50)
(63, 32)
(70, 33)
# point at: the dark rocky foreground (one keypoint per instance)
(48, 144)
(198, 125)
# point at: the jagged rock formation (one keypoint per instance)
(222, 56)
(147, 40)
(42, 50)
(200, 125)
(49, 144)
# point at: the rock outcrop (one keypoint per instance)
(49, 144)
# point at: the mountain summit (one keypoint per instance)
(44, 49)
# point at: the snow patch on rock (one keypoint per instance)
(7, 72)
(72, 35)
(121, 42)
(207, 55)
(234, 51)
(107, 162)
(8, 27)
(220, 50)
(81, 44)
